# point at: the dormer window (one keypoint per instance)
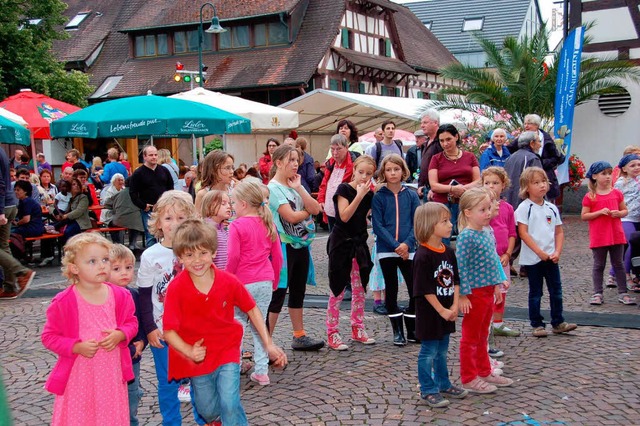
(472, 24)
(76, 21)
(428, 24)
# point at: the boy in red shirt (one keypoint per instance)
(204, 339)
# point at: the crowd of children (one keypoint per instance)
(208, 277)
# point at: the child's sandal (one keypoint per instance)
(435, 400)
(596, 299)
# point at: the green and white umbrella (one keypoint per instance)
(12, 132)
(148, 116)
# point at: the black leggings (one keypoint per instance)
(389, 266)
(297, 271)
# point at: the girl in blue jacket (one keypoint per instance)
(393, 208)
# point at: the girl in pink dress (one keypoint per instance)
(88, 326)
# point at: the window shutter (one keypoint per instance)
(333, 84)
(346, 86)
(345, 38)
(387, 52)
(361, 88)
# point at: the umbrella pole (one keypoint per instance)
(33, 153)
(195, 149)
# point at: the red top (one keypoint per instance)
(461, 170)
(605, 230)
(265, 167)
(194, 315)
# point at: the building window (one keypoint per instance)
(348, 39)
(384, 46)
(361, 88)
(428, 24)
(75, 22)
(472, 24)
(270, 34)
(346, 86)
(151, 45)
(278, 33)
(187, 41)
(235, 38)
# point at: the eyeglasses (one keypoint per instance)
(228, 168)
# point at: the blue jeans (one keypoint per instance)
(217, 395)
(168, 390)
(135, 393)
(454, 209)
(549, 272)
(148, 238)
(432, 366)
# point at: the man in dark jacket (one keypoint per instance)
(414, 156)
(550, 156)
(525, 156)
(429, 123)
(146, 185)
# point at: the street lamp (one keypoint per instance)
(215, 28)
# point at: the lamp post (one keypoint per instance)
(215, 28)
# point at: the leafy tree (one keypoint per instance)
(26, 58)
(519, 80)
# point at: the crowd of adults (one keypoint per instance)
(33, 203)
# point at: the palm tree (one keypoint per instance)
(518, 79)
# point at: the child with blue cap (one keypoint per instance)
(603, 207)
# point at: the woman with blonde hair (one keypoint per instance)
(164, 159)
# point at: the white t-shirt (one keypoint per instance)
(158, 266)
(542, 221)
(63, 201)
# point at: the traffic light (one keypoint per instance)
(187, 78)
(177, 77)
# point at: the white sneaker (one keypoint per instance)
(495, 363)
(184, 393)
(46, 261)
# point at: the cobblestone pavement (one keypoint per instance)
(587, 378)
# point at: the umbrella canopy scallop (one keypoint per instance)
(148, 116)
(12, 132)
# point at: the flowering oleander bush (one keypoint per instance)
(475, 127)
(577, 172)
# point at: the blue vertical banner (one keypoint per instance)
(566, 89)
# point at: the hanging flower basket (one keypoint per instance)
(577, 171)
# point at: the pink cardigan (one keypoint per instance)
(61, 332)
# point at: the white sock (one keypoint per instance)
(497, 324)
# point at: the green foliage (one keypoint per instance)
(26, 59)
(213, 145)
(520, 80)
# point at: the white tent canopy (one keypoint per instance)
(320, 110)
(263, 117)
(13, 117)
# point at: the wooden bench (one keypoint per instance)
(105, 229)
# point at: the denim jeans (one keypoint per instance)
(149, 239)
(454, 209)
(135, 393)
(168, 390)
(261, 293)
(217, 395)
(432, 366)
(549, 272)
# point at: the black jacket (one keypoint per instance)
(551, 159)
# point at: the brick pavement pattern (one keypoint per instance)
(587, 378)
